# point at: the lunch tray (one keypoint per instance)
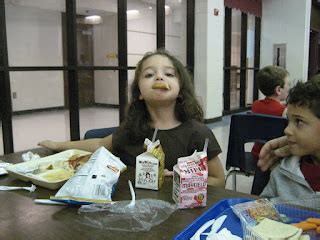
(223, 207)
(294, 210)
(14, 171)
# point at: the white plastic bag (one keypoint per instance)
(123, 216)
(94, 182)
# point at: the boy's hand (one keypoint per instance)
(272, 151)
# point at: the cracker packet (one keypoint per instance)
(94, 182)
(150, 165)
(253, 212)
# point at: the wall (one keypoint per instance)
(209, 52)
(286, 21)
(30, 32)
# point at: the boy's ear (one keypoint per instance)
(140, 97)
(277, 90)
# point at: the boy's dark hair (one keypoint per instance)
(306, 94)
(137, 121)
(268, 78)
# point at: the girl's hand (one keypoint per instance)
(168, 173)
(49, 145)
(272, 151)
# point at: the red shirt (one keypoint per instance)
(311, 172)
(266, 106)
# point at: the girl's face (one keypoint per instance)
(303, 132)
(158, 82)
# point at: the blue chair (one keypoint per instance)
(99, 132)
(250, 127)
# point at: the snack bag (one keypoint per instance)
(190, 178)
(94, 182)
(150, 166)
(253, 212)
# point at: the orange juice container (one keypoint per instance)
(150, 166)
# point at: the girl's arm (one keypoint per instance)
(216, 173)
(87, 145)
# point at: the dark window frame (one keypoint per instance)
(243, 55)
(72, 67)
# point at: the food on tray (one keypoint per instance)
(61, 170)
(161, 85)
(57, 175)
(309, 224)
(254, 211)
(51, 171)
(270, 229)
(313, 220)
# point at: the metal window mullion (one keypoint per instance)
(5, 90)
(123, 57)
(227, 59)
(161, 30)
(257, 38)
(190, 34)
(73, 91)
(243, 59)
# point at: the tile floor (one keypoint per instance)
(29, 129)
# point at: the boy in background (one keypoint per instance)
(299, 174)
(273, 82)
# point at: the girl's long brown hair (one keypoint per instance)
(137, 121)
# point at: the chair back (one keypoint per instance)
(99, 132)
(250, 127)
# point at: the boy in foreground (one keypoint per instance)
(299, 174)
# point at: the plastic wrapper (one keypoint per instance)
(94, 182)
(125, 216)
(253, 212)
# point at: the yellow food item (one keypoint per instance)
(314, 220)
(161, 85)
(305, 225)
(57, 175)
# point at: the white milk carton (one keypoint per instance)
(190, 178)
(150, 166)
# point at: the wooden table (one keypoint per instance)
(21, 218)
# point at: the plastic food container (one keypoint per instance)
(294, 211)
(37, 171)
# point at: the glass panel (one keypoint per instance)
(176, 28)
(1, 139)
(250, 57)
(235, 59)
(97, 27)
(250, 76)
(142, 29)
(235, 37)
(234, 89)
(32, 26)
(38, 108)
(130, 80)
(99, 100)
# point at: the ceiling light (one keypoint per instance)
(132, 14)
(93, 19)
(167, 9)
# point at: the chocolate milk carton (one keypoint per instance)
(150, 166)
(190, 178)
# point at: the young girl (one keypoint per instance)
(162, 98)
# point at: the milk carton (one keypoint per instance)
(150, 166)
(190, 178)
